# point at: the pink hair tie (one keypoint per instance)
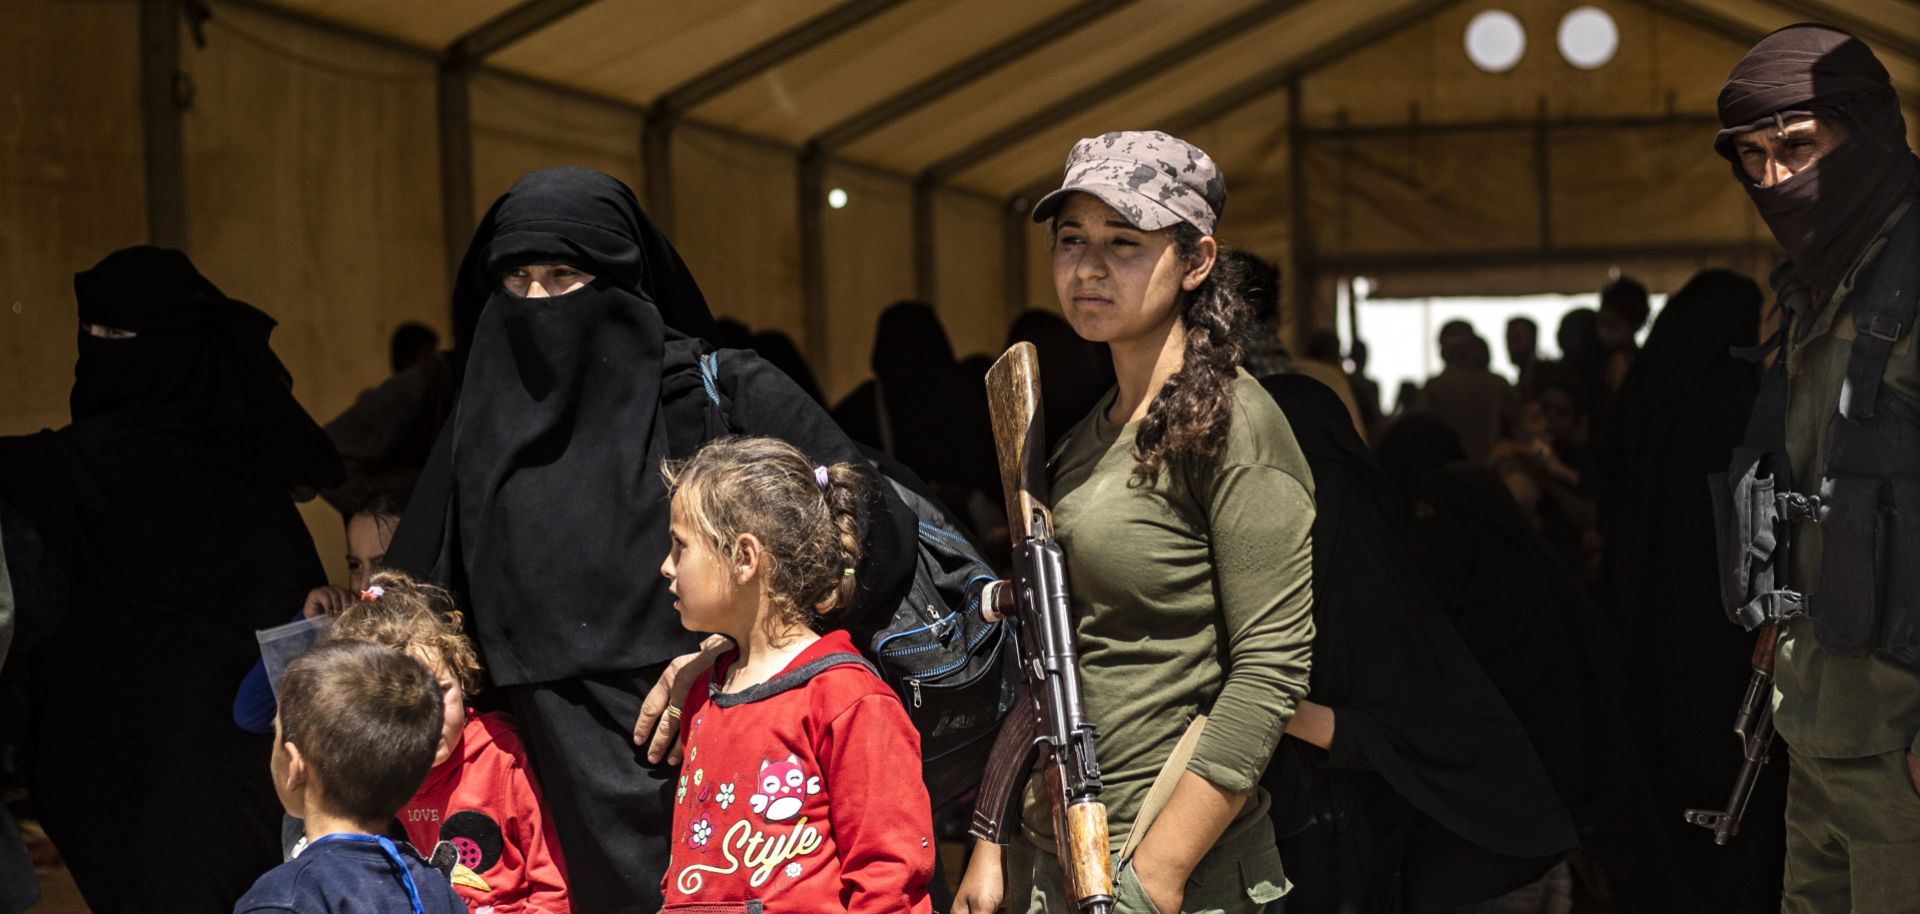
(372, 593)
(820, 477)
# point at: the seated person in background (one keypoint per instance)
(392, 425)
(1546, 464)
(412, 343)
(371, 506)
(480, 795)
(355, 735)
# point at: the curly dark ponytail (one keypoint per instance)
(1189, 417)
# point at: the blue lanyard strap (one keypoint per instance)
(393, 857)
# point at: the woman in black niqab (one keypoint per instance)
(543, 509)
(1527, 618)
(1430, 795)
(167, 502)
(1682, 411)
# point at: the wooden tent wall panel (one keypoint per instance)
(737, 227)
(71, 187)
(971, 290)
(315, 196)
(519, 128)
(869, 265)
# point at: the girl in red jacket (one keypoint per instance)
(800, 789)
(480, 798)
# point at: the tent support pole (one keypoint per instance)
(161, 124)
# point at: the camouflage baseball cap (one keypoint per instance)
(1152, 179)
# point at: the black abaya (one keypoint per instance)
(167, 501)
(1682, 410)
(543, 508)
(1552, 656)
(1430, 796)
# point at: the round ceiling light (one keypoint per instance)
(1588, 38)
(1495, 41)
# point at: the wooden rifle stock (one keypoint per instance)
(1753, 724)
(1047, 720)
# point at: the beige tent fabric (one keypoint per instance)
(519, 128)
(869, 265)
(736, 223)
(314, 195)
(971, 293)
(797, 99)
(70, 188)
(640, 49)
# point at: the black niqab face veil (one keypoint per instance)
(1825, 214)
(197, 360)
(559, 514)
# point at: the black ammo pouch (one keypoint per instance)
(1754, 508)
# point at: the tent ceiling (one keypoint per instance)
(428, 23)
(639, 51)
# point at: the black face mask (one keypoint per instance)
(1827, 213)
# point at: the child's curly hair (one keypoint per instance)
(414, 618)
(812, 533)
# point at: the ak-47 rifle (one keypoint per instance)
(1754, 725)
(1047, 718)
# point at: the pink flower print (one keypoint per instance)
(700, 832)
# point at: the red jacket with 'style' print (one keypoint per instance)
(483, 800)
(802, 793)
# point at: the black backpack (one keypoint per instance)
(954, 672)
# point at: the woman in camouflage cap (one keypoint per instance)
(1184, 506)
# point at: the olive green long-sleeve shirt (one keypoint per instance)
(1826, 705)
(1194, 596)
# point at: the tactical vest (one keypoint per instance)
(1868, 503)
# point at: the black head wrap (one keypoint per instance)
(543, 502)
(197, 360)
(1827, 213)
(167, 498)
(914, 364)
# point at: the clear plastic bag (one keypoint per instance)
(281, 643)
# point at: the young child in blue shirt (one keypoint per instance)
(357, 730)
